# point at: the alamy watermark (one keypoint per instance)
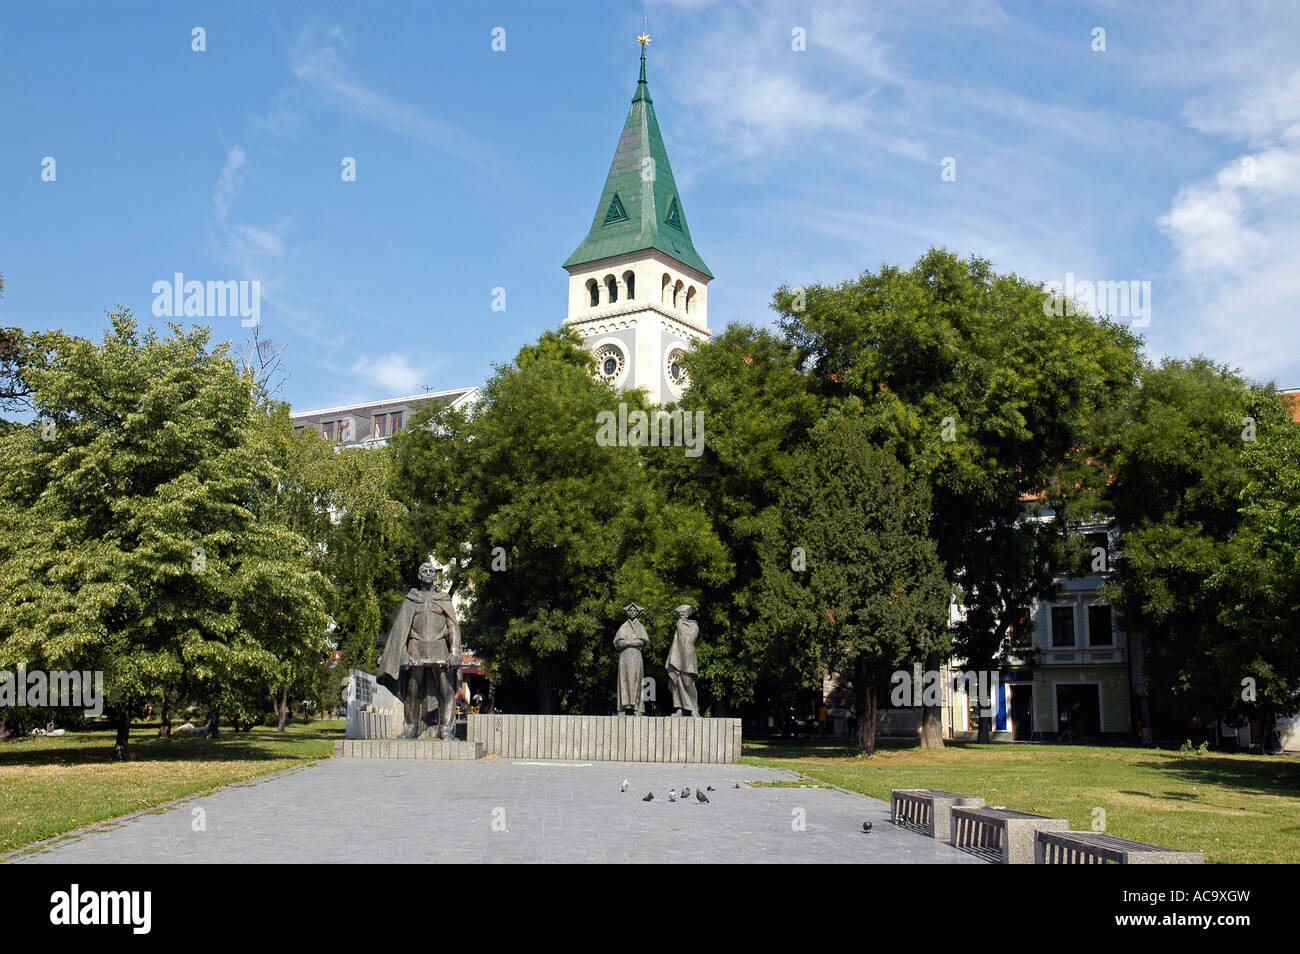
(928, 689)
(42, 689)
(661, 429)
(1114, 299)
(194, 299)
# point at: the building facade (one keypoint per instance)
(373, 423)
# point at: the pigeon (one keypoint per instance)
(650, 797)
(701, 797)
(624, 788)
(735, 785)
(710, 788)
(672, 794)
(686, 792)
(866, 826)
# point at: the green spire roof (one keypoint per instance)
(636, 211)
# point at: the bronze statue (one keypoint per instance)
(683, 669)
(422, 658)
(631, 638)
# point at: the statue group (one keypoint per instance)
(421, 660)
(683, 668)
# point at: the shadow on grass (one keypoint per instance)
(1278, 775)
(94, 747)
(812, 749)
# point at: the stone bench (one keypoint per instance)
(1094, 848)
(1001, 835)
(928, 810)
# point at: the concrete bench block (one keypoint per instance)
(1095, 848)
(928, 810)
(1001, 835)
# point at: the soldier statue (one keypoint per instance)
(422, 658)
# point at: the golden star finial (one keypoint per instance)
(644, 39)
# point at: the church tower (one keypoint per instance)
(638, 290)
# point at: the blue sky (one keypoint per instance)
(1173, 156)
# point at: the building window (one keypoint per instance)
(1099, 626)
(593, 290)
(690, 300)
(675, 371)
(667, 294)
(677, 295)
(1095, 562)
(629, 280)
(336, 431)
(394, 423)
(381, 426)
(1062, 625)
(611, 285)
(611, 363)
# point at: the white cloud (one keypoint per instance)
(230, 182)
(257, 242)
(392, 373)
(315, 59)
(1237, 232)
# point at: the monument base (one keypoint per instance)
(608, 738)
(407, 749)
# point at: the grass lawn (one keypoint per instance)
(1235, 808)
(52, 785)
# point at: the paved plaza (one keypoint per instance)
(342, 811)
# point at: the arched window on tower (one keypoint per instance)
(666, 296)
(611, 286)
(690, 300)
(593, 291)
(629, 281)
(677, 295)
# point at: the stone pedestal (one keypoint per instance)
(616, 738)
(435, 749)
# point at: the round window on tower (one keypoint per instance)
(611, 363)
(675, 371)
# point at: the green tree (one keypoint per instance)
(367, 543)
(983, 393)
(873, 595)
(551, 531)
(1203, 485)
(756, 411)
(136, 534)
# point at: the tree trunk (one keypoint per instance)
(545, 697)
(122, 718)
(214, 724)
(165, 720)
(283, 709)
(866, 712)
(932, 716)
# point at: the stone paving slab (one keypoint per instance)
(341, 811)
